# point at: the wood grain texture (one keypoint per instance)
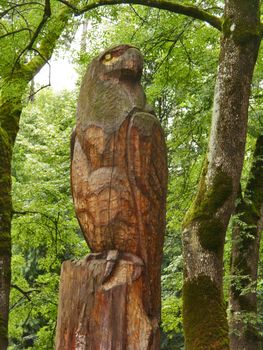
(96, 316)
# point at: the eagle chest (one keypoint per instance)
(103, 188)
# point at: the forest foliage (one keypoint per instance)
(181, 57)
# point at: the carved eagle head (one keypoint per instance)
(120, 62)
(111, 88)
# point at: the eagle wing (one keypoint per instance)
(147, 164)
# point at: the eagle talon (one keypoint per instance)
(137, 271)
(95, 256)
(111, 260)
(137, 262)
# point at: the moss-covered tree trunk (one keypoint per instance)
(10, 111)
(244, 259)
(205, 323)
(11, 105)
(5, 239)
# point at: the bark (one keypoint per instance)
(170, 5)
(14, 88)
(8, 131)
(93, 315)
(245, 257)
(205, 323)
(5, 240)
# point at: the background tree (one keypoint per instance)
(45, 231)
(29, 33)
(245, 258)
(245, 292)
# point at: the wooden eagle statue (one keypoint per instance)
(119, 167)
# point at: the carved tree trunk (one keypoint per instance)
(244, 259)
(205, 322)
(119, 184)
(103, 316)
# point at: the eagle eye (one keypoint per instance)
(108, 57)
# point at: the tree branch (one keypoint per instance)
(20, 13)
(46, 46)
(169, 5)
(25, 293)
(137, 14)
(46, 15)
(2, 14)
(15, 32)
(75, 10)
(35, 92)
(31, 212)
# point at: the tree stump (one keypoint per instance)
(94, 315)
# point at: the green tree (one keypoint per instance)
(44, 229)
(29, 33)
(245, 257)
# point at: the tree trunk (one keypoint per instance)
(245, 258)
(205, 323)
(94, 315)
(10, 111)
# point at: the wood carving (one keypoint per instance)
(103, 316)
(119, 182)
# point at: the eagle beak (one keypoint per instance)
(132, 63)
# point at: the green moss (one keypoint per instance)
(204, 315)
(208, 201)
(211, 235)
(215, 197)
(9, 118)
(5, 194)
(4, 143)
(48, 43)
(241, 32)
